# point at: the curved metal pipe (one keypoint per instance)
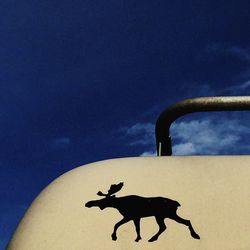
(202, 104)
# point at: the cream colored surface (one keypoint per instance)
(214, 193)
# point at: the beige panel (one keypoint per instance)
(214, 193)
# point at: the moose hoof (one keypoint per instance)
(114, 237)
(152, 239)
(195, 236)
(137, 239)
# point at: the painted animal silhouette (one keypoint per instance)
(133, 207)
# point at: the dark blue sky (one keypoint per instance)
(83, 81)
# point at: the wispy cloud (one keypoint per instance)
(211, 136)
(140, 134)
(240, 88)
(242, 53)
(61, 142)
(237, 51)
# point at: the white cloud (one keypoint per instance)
(210, 136)
(148, 153)
(184, 148)
(140, 134)
(140, 127)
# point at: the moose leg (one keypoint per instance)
(187, 223)
(137, 228)
(162, 228)
(117, 225)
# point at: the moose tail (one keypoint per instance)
(172, 203)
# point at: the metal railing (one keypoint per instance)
(202, 104)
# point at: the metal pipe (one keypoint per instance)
(202, 104)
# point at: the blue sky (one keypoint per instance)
(83, 81)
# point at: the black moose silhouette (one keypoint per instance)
(134, 207)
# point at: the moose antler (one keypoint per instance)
(100, 193)
(114, 188)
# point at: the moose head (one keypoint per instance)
(108, 199)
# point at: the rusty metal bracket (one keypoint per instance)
(202, 104)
